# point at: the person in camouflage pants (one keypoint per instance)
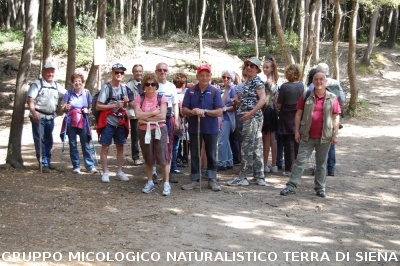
(253, 99)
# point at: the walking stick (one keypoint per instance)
(199, 146)
(40, 146)
(91, 137)
(63, 143)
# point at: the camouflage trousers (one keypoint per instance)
(252, 149)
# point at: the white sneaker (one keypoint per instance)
(121, 176)
(261, 182)
(238, 182)
(274, 169)
(105, 178)
(148, 188)
(77, 171)
(267, 169)
(288, 173)
(167, 189)
(93, 170)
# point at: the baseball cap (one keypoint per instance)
(255, 61)
(203, 68)
(50, 64)
(118, 65)
(324, 68)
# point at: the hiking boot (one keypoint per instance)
(167, 189)
(149, 187)
(93, 170)
(45, 169)
(274, 169)
(212, 183)
(286, 191)
(77, 171)
(155, 178)
(137, 162)
(191, 185)
(321, 194)
(105, 178)
(238, 182)
(122, 177)
(173, 179)
(261, 182)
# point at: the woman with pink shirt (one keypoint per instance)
(151, 111)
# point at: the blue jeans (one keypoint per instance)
(331, 161)
(134, 139)
(47, 126)
(279, 143)
(175, 147)
(73, 147)
(305, 150)
(225, 157)
(210, 141)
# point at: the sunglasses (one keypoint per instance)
(250, 65)
(150, 84)
(117, 72)
(225, 77)
(162, 70)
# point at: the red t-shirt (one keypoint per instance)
(149, 105)
(317, 121)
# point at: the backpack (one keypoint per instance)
(87, 96)
(48, 102)
(159, 96)
(95, 112)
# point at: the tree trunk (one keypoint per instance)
(187, 15)
(121, 17)
(14, 155)
(310, 41)
(281, 36)
(317, 31)
(301, 30)
(46, 31)
(101, 33)
(285, 7)
(391, 43)
(351, 69)
(71, 42)
(223, 22)
(146, 19)
(129, 19)
(89, 7)
(114, 14)
(293, 19)
(336, 32)
(203, 14)
(268, 26)
(233, 16)
(371, 40)
(139, 23)
(253, 16)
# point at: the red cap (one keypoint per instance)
(203, 67)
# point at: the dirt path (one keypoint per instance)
(68, 215)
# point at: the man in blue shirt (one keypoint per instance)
(204, 101)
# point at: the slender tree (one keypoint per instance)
(203, 14)
(255, 28)
(371, 40)
(139, 23)
(281, 36)
(351, 69)
(14, 156)
(393, 29)
(71, 60)
(223, 22)
(335, 43)
(317, 31)
(46, 30)
(301, 29)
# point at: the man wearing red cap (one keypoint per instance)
(204, 101)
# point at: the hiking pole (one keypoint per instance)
(63, 143)
(40, 146)
(91, 137)
(199, 146)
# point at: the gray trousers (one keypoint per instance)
(305, 150)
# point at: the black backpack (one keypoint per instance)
(95, 112)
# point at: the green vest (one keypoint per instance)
(305, 124)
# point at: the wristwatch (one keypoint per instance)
(224, 109)
(205, 111)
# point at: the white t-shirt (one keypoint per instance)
(168, 89)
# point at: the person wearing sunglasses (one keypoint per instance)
(202, 103)
(113, 121)
(153, 132)
(225, 157)
(253, 98)
(168, 89)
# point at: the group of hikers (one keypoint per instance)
(212, 125)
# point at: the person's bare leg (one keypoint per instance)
(120, 156)
(103, 157)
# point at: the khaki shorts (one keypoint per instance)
(157, 150)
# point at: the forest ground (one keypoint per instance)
(63, 214)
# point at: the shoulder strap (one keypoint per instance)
(306, 94)
(159, 96)
(110, 92)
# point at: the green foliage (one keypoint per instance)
(59, 39)
(362, 109)
(178, 37)
(87, 23)
(11, 36)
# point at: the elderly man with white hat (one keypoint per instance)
(253, 99)
(43, 95)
